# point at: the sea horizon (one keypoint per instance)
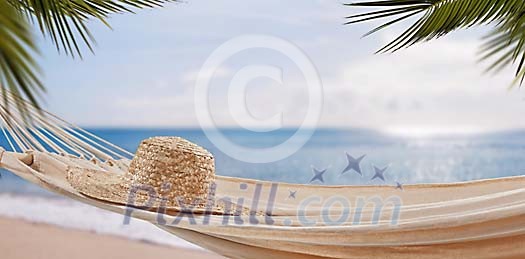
(411, 159)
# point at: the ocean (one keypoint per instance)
(430, 159)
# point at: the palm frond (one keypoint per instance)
(506, 45)
(65, 20)
(18, 71)
(439, 17)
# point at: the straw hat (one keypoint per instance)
(166, 172)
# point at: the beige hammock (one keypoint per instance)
(479, 219)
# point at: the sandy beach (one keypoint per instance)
(23, 239)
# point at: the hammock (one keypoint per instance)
(478, 219)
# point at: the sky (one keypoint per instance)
(145, 69)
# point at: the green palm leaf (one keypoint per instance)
(18, 71)
(63, 21)
(436, 18)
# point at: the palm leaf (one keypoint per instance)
(18, 71)
(440, 17)
(63, 21)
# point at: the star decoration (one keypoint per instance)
(353, 164)
(318, 175)
(379, 173)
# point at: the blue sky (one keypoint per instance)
(144, 71)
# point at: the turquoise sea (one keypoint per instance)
(443, 158)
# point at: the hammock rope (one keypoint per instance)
(46, 132)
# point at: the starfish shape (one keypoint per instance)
(318, 175)
(379, 173)
(353, 164)
(292, 194)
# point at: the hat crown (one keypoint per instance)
(177, 169)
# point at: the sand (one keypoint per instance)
(21, 239)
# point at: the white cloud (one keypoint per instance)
(149, 80)
(430, 87)
(434, 85)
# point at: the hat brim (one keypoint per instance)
(119, 189)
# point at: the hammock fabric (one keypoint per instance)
(479, 219)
